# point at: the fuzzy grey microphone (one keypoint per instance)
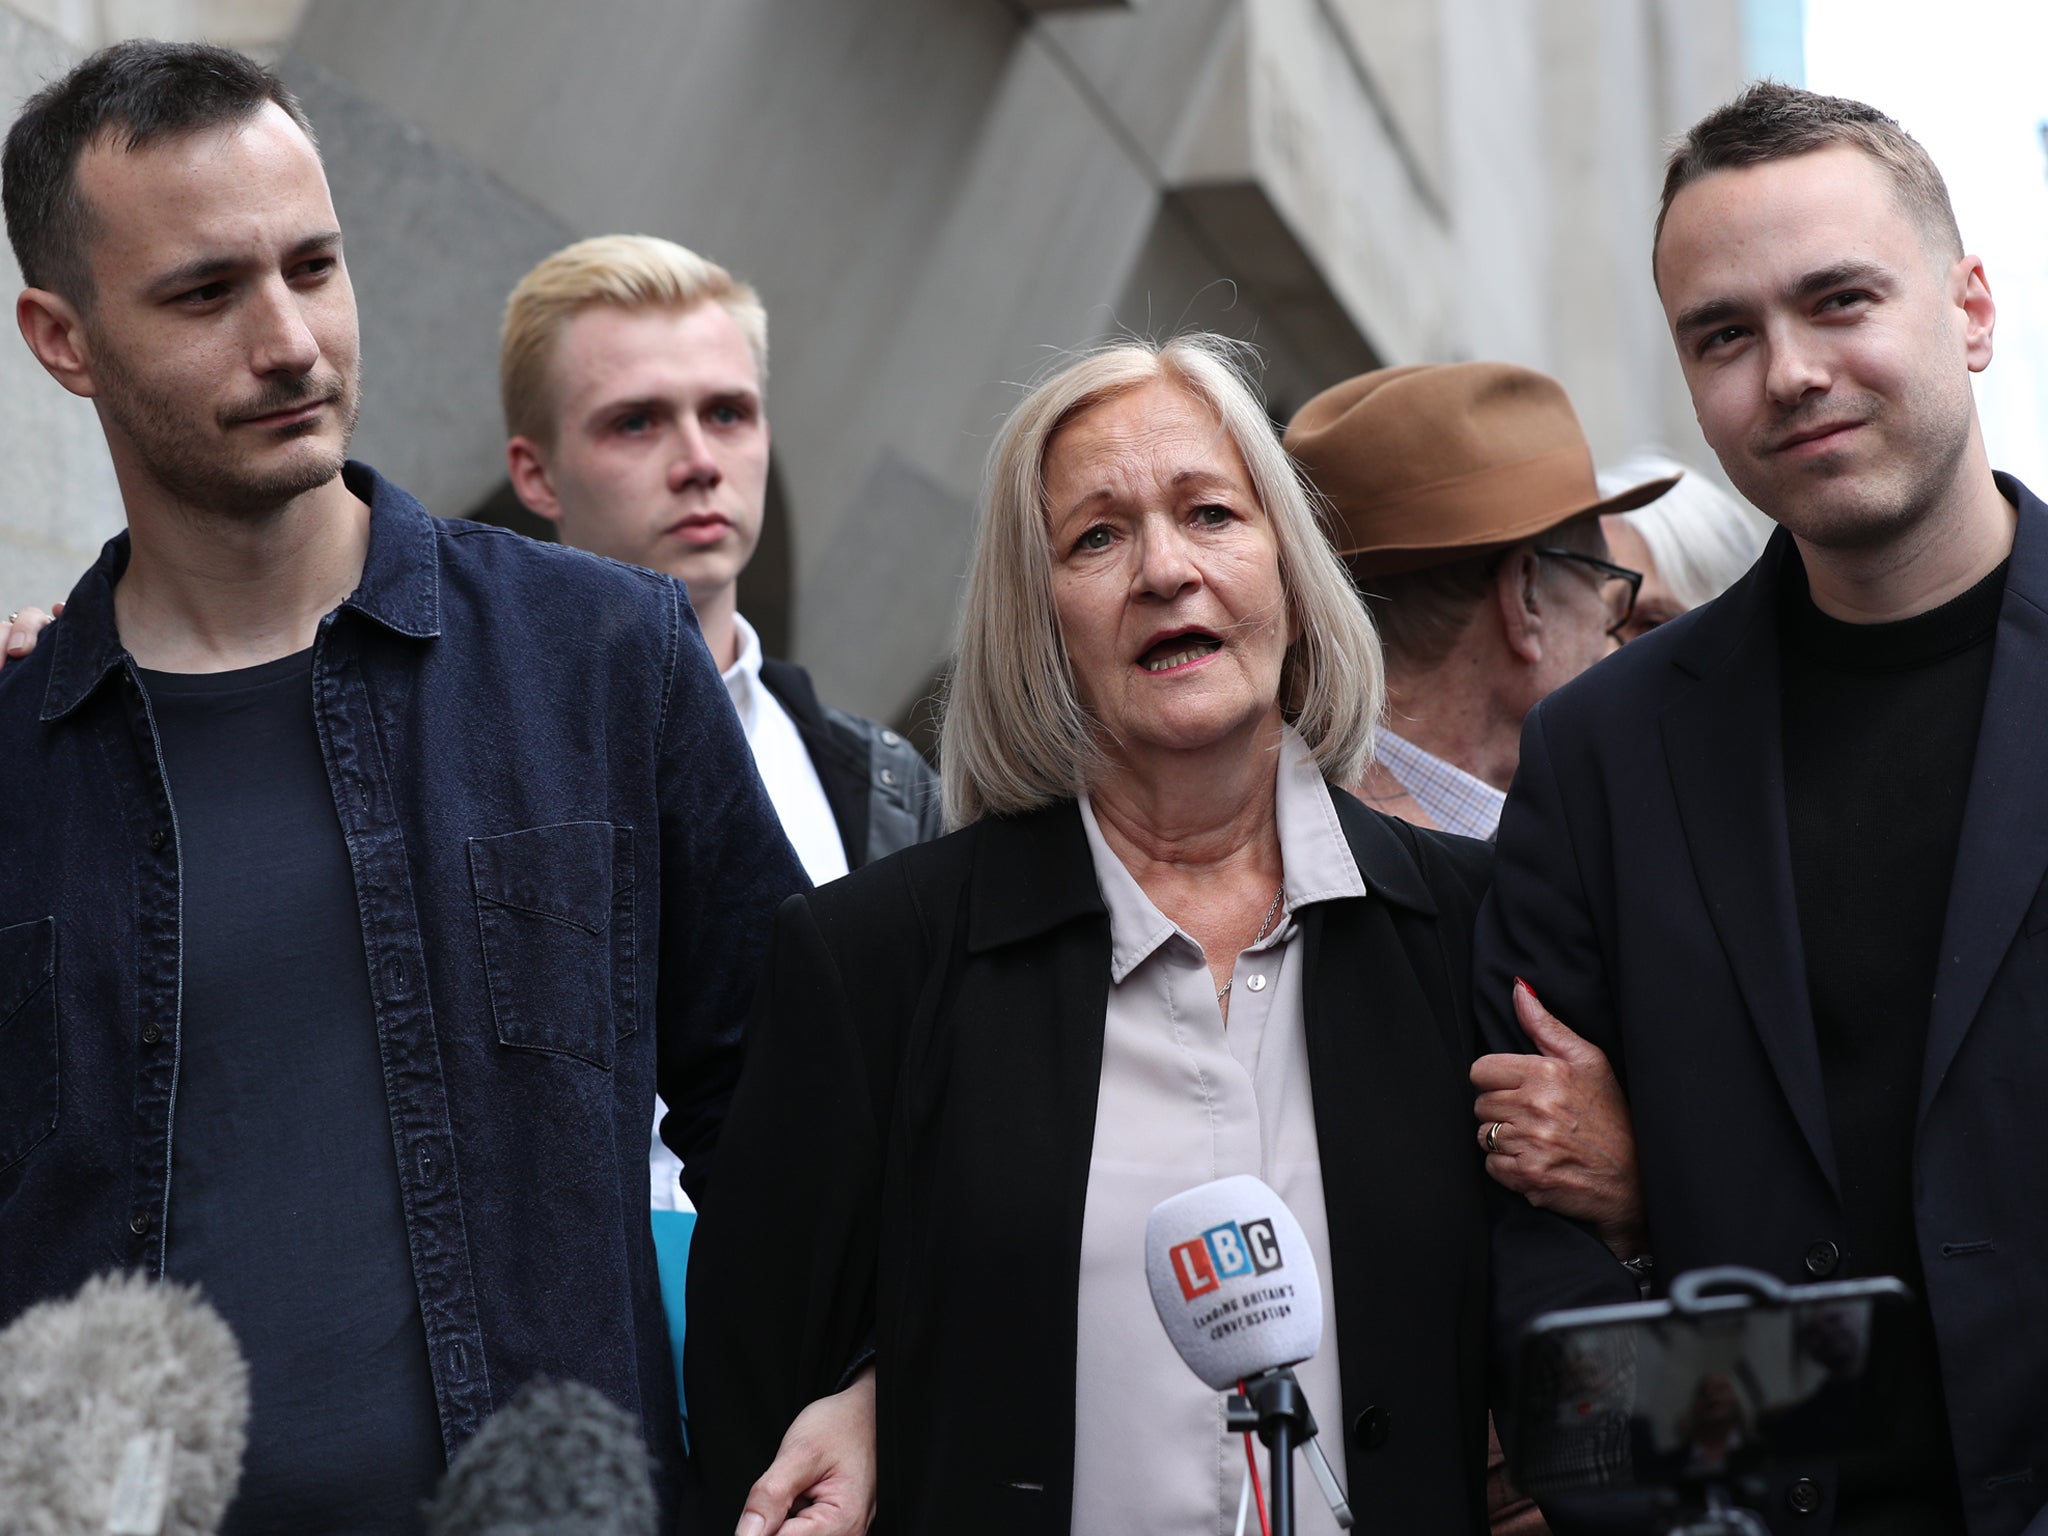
(560, 1459)
(124, 1411)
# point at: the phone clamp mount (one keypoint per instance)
(1719, 1518)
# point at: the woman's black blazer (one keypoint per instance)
(906, 1160)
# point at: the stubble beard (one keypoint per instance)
(1868, 506)
(184, 453)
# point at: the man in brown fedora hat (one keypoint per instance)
(1467, 509)
(1466, 505)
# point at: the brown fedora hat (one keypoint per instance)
(1437, 461)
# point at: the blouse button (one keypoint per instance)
(1257, 983)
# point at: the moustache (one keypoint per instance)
(285, 395)
(1821, 415)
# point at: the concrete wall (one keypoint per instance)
(257, 26)
(937, 197)
(933, 196)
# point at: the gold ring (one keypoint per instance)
(1493, 1137)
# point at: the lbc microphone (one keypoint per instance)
(1234, 1281)
(1235, 1284)
(124, 1411)
(560, 1459)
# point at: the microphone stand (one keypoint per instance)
(1272, 1403)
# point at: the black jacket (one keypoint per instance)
(1644, 888)
(907, 1158)
(883, 795)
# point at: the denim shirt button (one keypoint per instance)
(151, 1034)
(139, 1223)
(157, 840)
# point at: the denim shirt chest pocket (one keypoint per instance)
(555, 907)
(28, 1037)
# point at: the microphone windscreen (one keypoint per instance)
(560, 1459)
(1233, 1279)
(123, 1410)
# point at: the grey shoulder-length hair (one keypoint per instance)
(1015, 736)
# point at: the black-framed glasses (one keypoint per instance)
(1618, 584)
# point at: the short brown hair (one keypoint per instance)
(1773, 121)
(132, 94)
(629, 272)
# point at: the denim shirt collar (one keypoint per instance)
(400, 589)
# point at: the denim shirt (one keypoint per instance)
(565, 867)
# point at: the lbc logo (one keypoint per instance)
(1223, 1253)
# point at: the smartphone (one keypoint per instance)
(1705, 1390)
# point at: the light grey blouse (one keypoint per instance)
(1184, 1101)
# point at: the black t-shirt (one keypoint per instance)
(1880, 736)
(284, 1202)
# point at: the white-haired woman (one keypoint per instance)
(1162, 949)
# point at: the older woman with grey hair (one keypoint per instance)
(1161, 948)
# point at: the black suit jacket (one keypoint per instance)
(1644, 887)
(907, 1157)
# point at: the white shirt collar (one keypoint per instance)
(743, 677)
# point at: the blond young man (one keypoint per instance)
(634, 379)
(634, 373)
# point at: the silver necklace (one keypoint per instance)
(1278, 892)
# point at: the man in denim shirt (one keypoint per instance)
(363, 925)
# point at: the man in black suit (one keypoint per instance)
(1782, 860)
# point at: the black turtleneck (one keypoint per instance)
(1880, 734)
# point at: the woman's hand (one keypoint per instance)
(822, 1481)
(18, 633)
(1564, 1140)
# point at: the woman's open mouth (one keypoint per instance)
(1179, 651)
